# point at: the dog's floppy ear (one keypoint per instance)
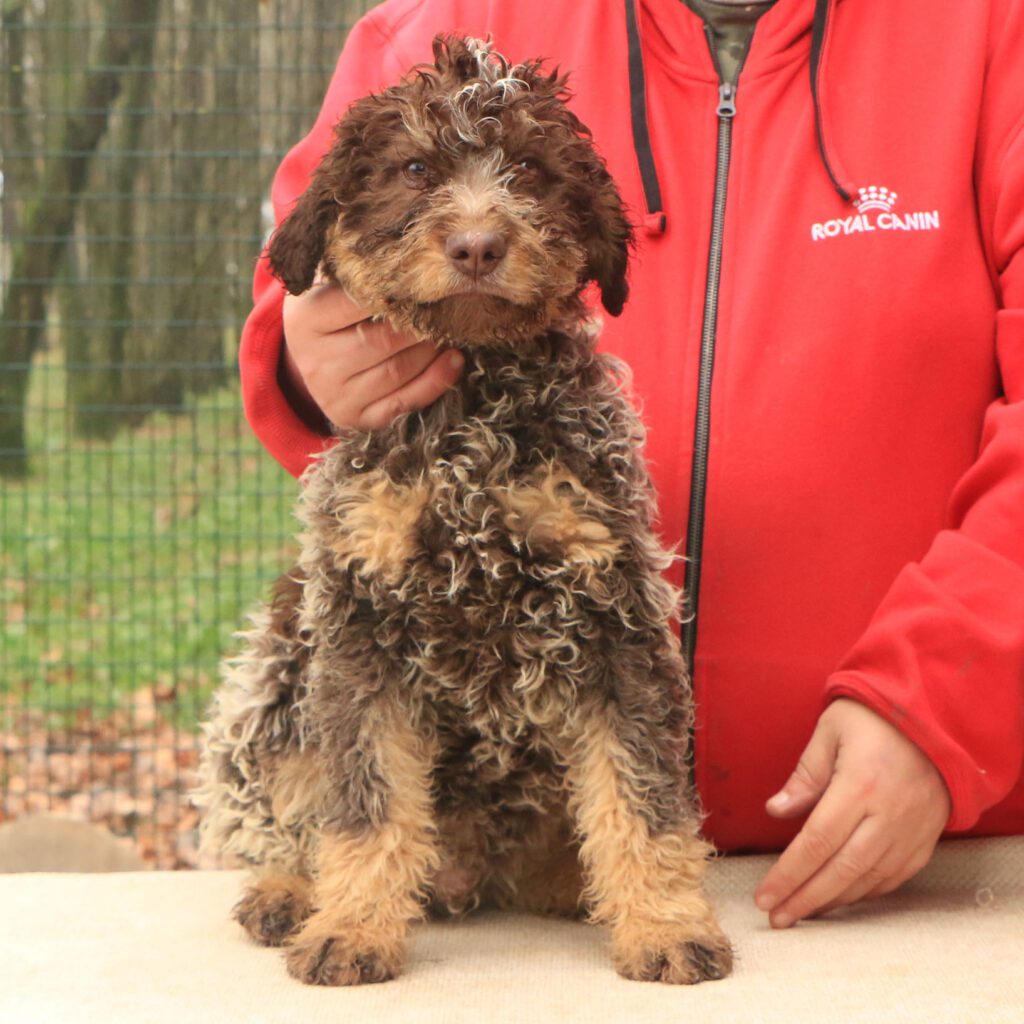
(297, 246)
(607, 234)
(608, 240)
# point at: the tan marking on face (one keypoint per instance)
(554, 511)
(417, 270)
(377, 524)
(538, 271)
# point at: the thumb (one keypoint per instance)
(813, 773)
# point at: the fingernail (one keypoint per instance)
(780, 801)
(782, 920)
(455, 360)
(764, 901)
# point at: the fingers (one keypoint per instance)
(862, 864)
(325, 308)
(422, 388)
(892, 871)
(876, 824)
(323, 327)
(368, 344)
(828, 830)
(873, 860)
(813, 773)
(360, 373)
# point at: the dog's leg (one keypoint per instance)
(274, 906)
(372, 868)
(641, 851)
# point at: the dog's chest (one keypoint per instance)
(507, 493)
(483, 571)
(467, 529)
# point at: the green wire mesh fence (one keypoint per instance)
(138, 517)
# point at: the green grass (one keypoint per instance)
(128, 564)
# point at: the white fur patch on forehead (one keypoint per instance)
(471, 107)
(493, 69)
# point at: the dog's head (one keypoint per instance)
(466, 203)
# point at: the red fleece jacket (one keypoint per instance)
(864, 510)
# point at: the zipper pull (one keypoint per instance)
(726, 100)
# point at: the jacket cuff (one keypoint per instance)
(936, 747)
(278, 426)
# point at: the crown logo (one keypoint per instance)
(875, 198)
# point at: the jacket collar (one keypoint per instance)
(670, 30)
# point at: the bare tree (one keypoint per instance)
(97, 291)
(136, 230)
(49, 205)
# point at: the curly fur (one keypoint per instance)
(469, 690)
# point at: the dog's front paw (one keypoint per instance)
(273, 909)
(338, 961)
(674, 954)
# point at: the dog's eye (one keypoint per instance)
(416, 173)
(526, 172)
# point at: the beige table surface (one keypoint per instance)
(159, 947)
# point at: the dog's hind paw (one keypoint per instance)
(333, 961)
(674, 956)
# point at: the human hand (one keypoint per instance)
(360, 373)
(879, 808)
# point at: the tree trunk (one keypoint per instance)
(18, 172)
(47, 225)
(101, 296)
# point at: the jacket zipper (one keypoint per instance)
(725, 112)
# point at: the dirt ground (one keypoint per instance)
(129, 771)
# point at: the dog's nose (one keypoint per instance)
(475, 253)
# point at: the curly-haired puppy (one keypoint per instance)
(469, 691)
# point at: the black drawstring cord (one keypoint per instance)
(819, 29)
(655, 220)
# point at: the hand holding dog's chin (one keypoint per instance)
(359, 373)
(879, 807)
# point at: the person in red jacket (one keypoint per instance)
(826, 331)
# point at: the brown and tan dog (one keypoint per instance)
(470, 690)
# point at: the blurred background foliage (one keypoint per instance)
(138, 517)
